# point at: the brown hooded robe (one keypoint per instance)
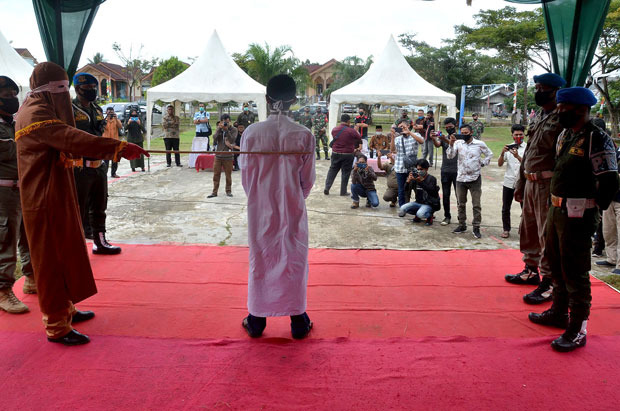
(46, 140)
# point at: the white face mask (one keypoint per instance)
(377, 133)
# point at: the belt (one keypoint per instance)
(539, 175)
(559, 202)
(341, 153)
(9, 183)
(92, 164)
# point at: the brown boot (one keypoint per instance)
(10, 303)
(356, 204)
(30, 287)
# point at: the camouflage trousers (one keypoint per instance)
(321, 138)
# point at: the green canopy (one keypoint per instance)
(574, 28)
(64, 25)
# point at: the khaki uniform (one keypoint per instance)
(533, 185)
(12, 233)
(585, 179)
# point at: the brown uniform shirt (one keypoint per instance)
(540, 151)
(379, 142)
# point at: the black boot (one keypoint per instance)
(318, 155)
(574, 337)
(326, 155)
(101, 245)
(529, 276)
(550, 317)
(541, 294)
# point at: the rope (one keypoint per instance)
(231, 152)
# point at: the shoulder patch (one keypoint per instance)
(602, 153)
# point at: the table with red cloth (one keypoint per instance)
(205, 162)
(372, 162)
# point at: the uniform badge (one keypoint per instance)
(576, 151)
(80, 117)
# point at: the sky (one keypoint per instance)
(318, 30)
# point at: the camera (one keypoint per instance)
(463, 137)
(512, 146)
(225, 124)
(414, 171)
(398, 129)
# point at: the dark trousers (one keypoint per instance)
(12, 238)
(114, 167)
(92, 193)
(508, 194)
(448, 182)
(172, 144)
(342, 163)
(401, 179)
(567, 246)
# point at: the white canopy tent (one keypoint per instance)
(390, 80)
(14, 66)
(214, 76)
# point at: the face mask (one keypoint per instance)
(543, 97)
(450, 130)
(202, 109)
(361, 165)
(518, 140)
(9, 105)
(378, 133)
(568, 119)
(422, 173)
(420, 117)
(245, 109)
(361, 113)
(89, 94)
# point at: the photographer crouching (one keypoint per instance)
(363, 183)
(426, 194)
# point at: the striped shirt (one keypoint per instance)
(411, 147)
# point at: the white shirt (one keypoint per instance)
(512, 167)
(470, 160)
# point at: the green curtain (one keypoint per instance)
(573, 28)
(64, 25)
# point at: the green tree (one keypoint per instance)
(607, 60)
(449, 67)
(167, 70)
(97, 58)
(347, 71)
(241, 60)
(135, 66)
(517, 38)
(263, 63)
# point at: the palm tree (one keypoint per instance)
(263, 63)
(97, 58)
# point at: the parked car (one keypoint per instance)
(119, 109)
(349, 108)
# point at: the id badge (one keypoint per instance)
(575, 207)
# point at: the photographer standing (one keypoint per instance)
(470, 162)
(345, 141)
(426, 194)
(112, 127)
(405, 145)
(363, 183)
(513, 155)
(449, 167)
(224, 140)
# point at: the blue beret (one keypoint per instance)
(84, 78)
(576, 95)
(550, 79)
(6, 82)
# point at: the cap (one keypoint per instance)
(550, 79)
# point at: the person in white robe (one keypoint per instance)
(277, 186)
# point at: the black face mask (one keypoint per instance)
(568, 119)
(451, 131)
(9, 105)
(543, 97)
(89, 94)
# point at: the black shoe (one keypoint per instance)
(80, 316)
(541, 294)
(345, 194)
(72, 338)
(604, 263)
(429, 221)
(326, 192)
(229, 194)
(368, 205)
(569, 342)
(300, 326)
(550, 318)
(416, 219)
(476, 232)
(101, 245)
(212, 195)
(143, 170)
(115, 176)
(460, 229)
(88, 236)
(251, 332)
(597, 252)
(168, 165)
(181, 165)
(529, 276)
(318, 157)
(133, 169)
(326, 158)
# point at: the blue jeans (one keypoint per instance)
(358, 190)
(401, 179)
(422, 211)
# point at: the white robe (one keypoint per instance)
(276, 187)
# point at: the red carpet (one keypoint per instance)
(393, 330)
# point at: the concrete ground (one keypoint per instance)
(171, 205)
